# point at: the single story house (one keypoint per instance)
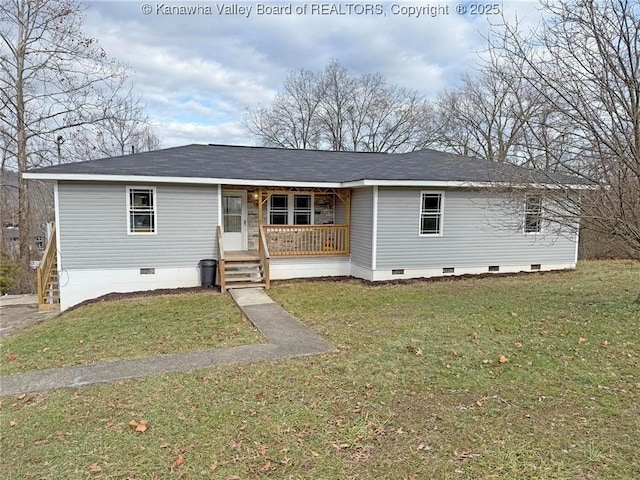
(146, 220)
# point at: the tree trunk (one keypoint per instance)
(24, 218)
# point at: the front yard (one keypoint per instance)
(128, 328)
(535, 376)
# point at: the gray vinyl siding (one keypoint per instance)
(361, 226)
(93, 226)
(475, 233)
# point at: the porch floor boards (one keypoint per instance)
(241, 255)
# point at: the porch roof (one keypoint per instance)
(276, 166)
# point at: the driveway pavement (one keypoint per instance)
(20, 311)
(286, 338)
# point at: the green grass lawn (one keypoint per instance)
(128, 328)
(417, 391)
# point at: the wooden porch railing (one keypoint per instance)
(307, 240)
(221, 269)
(47, 276)
(263, 250)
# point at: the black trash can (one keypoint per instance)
(208, 269)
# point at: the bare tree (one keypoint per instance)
(291, 121)
(335, 109)
(486, 115)
(124, 129)
(583, 62)
(53, 78)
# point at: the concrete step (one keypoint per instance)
(245, 285)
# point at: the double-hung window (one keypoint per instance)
(141, 210)
(431, 213)
(533, 214)
(279, 210)
(302, 210)
(291, 209)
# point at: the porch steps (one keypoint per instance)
(243, 271)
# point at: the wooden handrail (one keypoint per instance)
(221, 260)
(263, 249)
(307, 240)
(45, 268)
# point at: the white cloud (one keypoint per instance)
(197, 74)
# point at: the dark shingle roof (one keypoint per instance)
(287, 165)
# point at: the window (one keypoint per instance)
(232, 213)
(302, 209)
(291, 209)
(279, 212)
(533, 214)
(431, 213)
(141, 210)
(40, 245)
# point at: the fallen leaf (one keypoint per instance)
(478, 403)
(582, 340)
(94, 468)
(177, 462)
(454, 353)
(380, 430)
(502, 359)
(412, 349)
(141, 426)
(13, 423)
(464, 455)
(214, 466)
(604, 344)
(340, 446)
(11, 357)
(518, 345)
(514, 314)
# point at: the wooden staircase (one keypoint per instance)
(47, 277)
(243, 270)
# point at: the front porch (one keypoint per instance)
(259, 224)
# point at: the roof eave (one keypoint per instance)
(463, 184)
(79, 177)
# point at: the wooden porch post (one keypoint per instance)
(259, 207)
(348, 215)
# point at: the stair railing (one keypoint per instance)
(221, 268)
(263, 249)
(45, 270)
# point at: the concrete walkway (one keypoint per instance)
(286, 338)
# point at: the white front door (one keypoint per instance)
(234, 220)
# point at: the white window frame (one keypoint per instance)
(153, 211)
(440, 213)
(291, 207)
(528, 211)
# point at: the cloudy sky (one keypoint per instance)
(199, 72)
